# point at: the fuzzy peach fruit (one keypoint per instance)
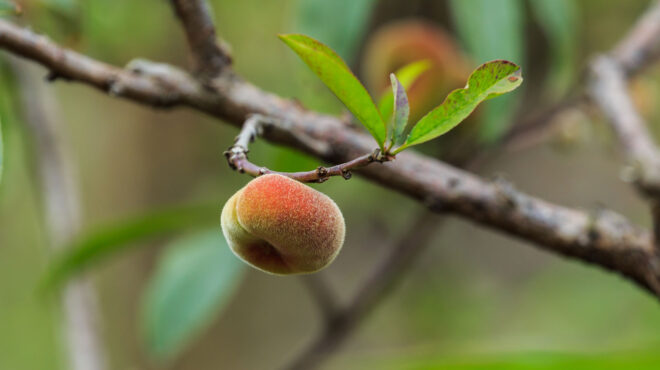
(281, 226)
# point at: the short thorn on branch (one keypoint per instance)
(254, 126)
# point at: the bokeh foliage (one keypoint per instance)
(475, 300)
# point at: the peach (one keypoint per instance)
(281, 226)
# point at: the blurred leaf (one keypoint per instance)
(65, 17)
(1, 153)
(106, 241)
(340, 23)
(407, 75)
(195, 278)
(487, 81)
(558, 19)
(64, 6)
(401, 111)
(336, 75)
(491, 30)
(8, 7)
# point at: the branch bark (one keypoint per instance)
(609, 90)
(209, 56)
(603, 238)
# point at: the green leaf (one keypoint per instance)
(401, 111)
(194, 280)
(340, 23)
(558, 20)
(104, 242)
(488, 81)
(336, 75)
(407, 75)
(492, 30)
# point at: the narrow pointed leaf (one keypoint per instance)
(407, 75)
(194, 280)
(487, 81)
(401, 111)
(336, 75)
(111, 239)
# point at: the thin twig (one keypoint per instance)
(62, 214)
(209, 57)
(255, 125)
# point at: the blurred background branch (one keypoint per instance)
(342, 322)
(62, 212)
(193, 280)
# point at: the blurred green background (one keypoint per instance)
(475, 299)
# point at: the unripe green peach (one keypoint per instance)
(281, 226)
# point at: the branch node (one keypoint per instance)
(321, 171)
(506, 191)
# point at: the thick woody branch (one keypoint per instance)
(602, 238)
(255, 125)
(209, 56)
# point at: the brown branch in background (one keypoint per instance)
(609, 91)
(605, 238)
(62, 217)
(541, 125)
(638, 49)
(209, 56)
(255, 125)
(383, 278)
(641, 46)
(322, 295)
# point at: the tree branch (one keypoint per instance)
(61, 202)
(255, 125)
(609, 91)
(638, 49)
(209, 57)
(604, 238)
(641, 46)
(383, 278)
